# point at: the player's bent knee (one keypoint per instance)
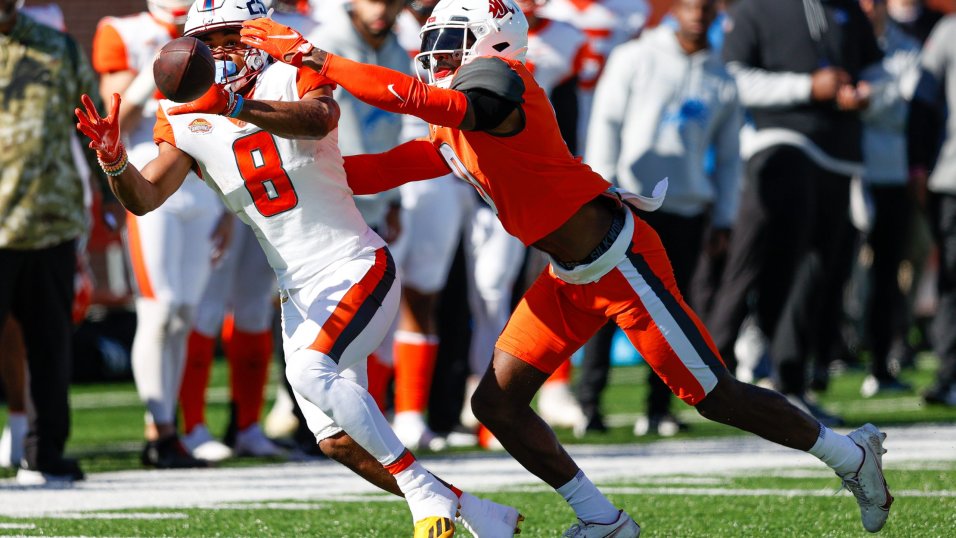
(310, 377)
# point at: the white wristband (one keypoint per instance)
(142, 89)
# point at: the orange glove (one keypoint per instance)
(216, 100)
(104, 133)
(279, 41)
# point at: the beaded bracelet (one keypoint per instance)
(116, 167)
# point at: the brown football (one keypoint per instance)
(184, 69)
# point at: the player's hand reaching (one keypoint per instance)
(104, 133)
(216, 100)
(277, 40)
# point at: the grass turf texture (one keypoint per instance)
(720, 505)
(107, 432)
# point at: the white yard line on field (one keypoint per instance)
(326, 481)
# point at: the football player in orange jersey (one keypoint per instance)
(492, 125)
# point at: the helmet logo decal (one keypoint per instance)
(498, 8)
(256, 7)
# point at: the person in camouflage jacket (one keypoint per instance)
(43, 72)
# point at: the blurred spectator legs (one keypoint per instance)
(943, 218)
(13, 372)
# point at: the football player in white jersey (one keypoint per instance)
(170, 249)
(242, 285)
(264, 139)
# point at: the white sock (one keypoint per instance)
(426, 496)
(838, 451)
(11, 442)
(589, 504)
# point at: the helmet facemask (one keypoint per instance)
(451, 40)
(462, 30)
(208, 16)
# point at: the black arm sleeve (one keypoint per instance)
(494, 90)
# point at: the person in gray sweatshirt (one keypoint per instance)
(663, 102)
(939, 74)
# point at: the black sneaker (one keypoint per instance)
(62, 472)
(809, 407)
(941, 395)
(169, 453)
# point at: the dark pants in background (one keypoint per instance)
(887, 239)
(943, 218)
(36, 287)
(785, 246)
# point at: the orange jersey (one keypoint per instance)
(530, 179)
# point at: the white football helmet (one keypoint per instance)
(214, 15)
(468, 29)
(169, 11)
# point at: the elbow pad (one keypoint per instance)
(493, 89)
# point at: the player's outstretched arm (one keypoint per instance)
(139, 192)
(314, 116)
(378, 86)
(414, 160)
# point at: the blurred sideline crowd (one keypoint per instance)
(810, 219)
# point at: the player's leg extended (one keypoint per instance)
(543, 331)
(675, 343)
(329, 329)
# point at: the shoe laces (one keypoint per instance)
(853, 485)
(576, 530)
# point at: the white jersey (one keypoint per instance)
(607, 24)
(140, 38)
(292, 192)
(556, 52)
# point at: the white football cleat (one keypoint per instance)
(253, 442)
(622, 527)
(558, 406)
(412, 431)
(201, 444)
(487, 519)
(867, 484)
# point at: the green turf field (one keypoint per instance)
(107, 429)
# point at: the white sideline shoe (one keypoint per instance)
(412, 431)
(558, 406)
(281, 420)
(253, 442)
(487, 519)
(622, 527)
(867, 484)
(201, 444)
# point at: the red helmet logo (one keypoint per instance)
(498, 8)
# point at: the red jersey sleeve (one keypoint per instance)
(307, 80)
(109, 51)
(163, 131)
(412, 161)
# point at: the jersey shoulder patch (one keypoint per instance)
(492, 75)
